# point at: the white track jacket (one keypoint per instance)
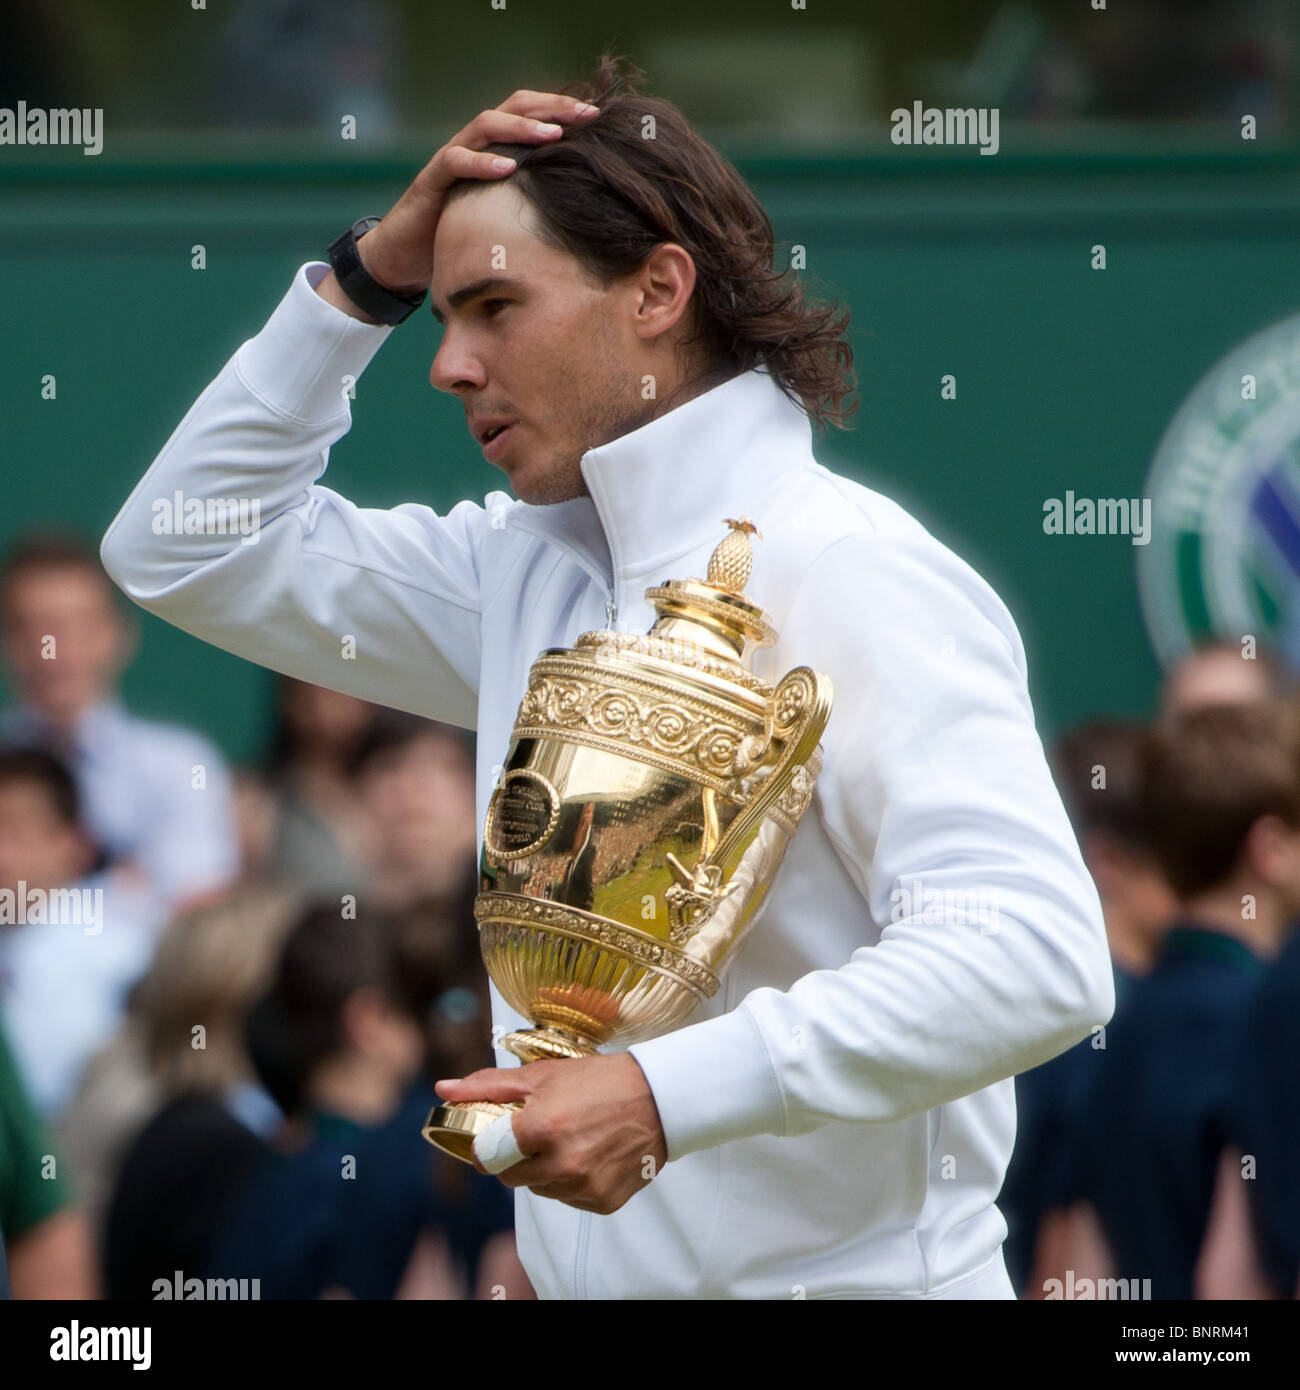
(840, 1115)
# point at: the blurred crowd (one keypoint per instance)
(224, 998)
(1161, 1152)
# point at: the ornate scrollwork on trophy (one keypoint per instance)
(794, 800)
(629, 713)
(559, 920)
(614, 645)
(692, 899)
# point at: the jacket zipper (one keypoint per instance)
(580, 1255)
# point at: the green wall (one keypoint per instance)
(951, 263)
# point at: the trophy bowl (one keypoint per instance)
(651, 788)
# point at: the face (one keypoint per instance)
(1214, 678)
(550, 351)
(63, 638)
(324, 719)
(36, 846)
(387, 1036)
(421, 797)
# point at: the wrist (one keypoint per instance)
(380, 267)
(331, 292)
(358, 270)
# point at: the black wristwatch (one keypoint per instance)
(360, 287)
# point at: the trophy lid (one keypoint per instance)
(713, 612)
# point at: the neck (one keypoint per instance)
(65, 718)
(1132, 947)
(1223, 910)
(355, 1088)
(693, 384)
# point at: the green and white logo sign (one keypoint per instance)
(1224, 557)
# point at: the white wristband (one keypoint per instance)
(496, 1148)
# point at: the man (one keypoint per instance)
(1162, 1123)
(836, 1121)
(72, 941)
(1098, 769)
(1253, 1243)
(154, 794)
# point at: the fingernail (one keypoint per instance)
(587, 106)
(502, 163)
(549, 128)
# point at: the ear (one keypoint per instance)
(666, 282)
(1102, 855)
(1269, 850)
(128, 643)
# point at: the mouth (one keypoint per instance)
(492, 436)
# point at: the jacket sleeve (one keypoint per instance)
(231, 537)
(936, 794)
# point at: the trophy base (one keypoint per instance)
(548, 1044)
(453, 1128)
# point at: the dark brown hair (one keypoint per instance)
(1115, 745)
(608, 195)
(1208, 776)
(51, 550)
(43, 769)
(298, 1023)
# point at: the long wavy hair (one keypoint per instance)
(608, 194)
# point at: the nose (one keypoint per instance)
(455, 369)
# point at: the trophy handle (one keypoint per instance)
(797, 714)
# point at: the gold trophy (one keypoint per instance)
(652, 785)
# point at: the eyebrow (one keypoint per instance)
(461, 296)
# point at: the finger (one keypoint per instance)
(534, 1170)
(502, 128)
(557, 1192)
(489, 1083)
(564, 1191)
(456, 162)
(496, 1148)
(547, 106)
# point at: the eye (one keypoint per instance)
(488, 303)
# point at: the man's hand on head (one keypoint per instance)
(398, 253)
(589, 1127)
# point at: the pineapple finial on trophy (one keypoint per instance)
(733, 559)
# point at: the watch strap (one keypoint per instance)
(360, 286)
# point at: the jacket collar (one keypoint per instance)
(662, 490)
(1191, 940)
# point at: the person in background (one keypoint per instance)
(1161, 1122)
(415, 778)
(337, 1042)
(354, 1202)
(472, 1248)
(1097, 768)
(1223, 673)
(168, 1160)
(1253, 1243)
(66, 642)
(321, 835)
(72, 942)
(43, 1233)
